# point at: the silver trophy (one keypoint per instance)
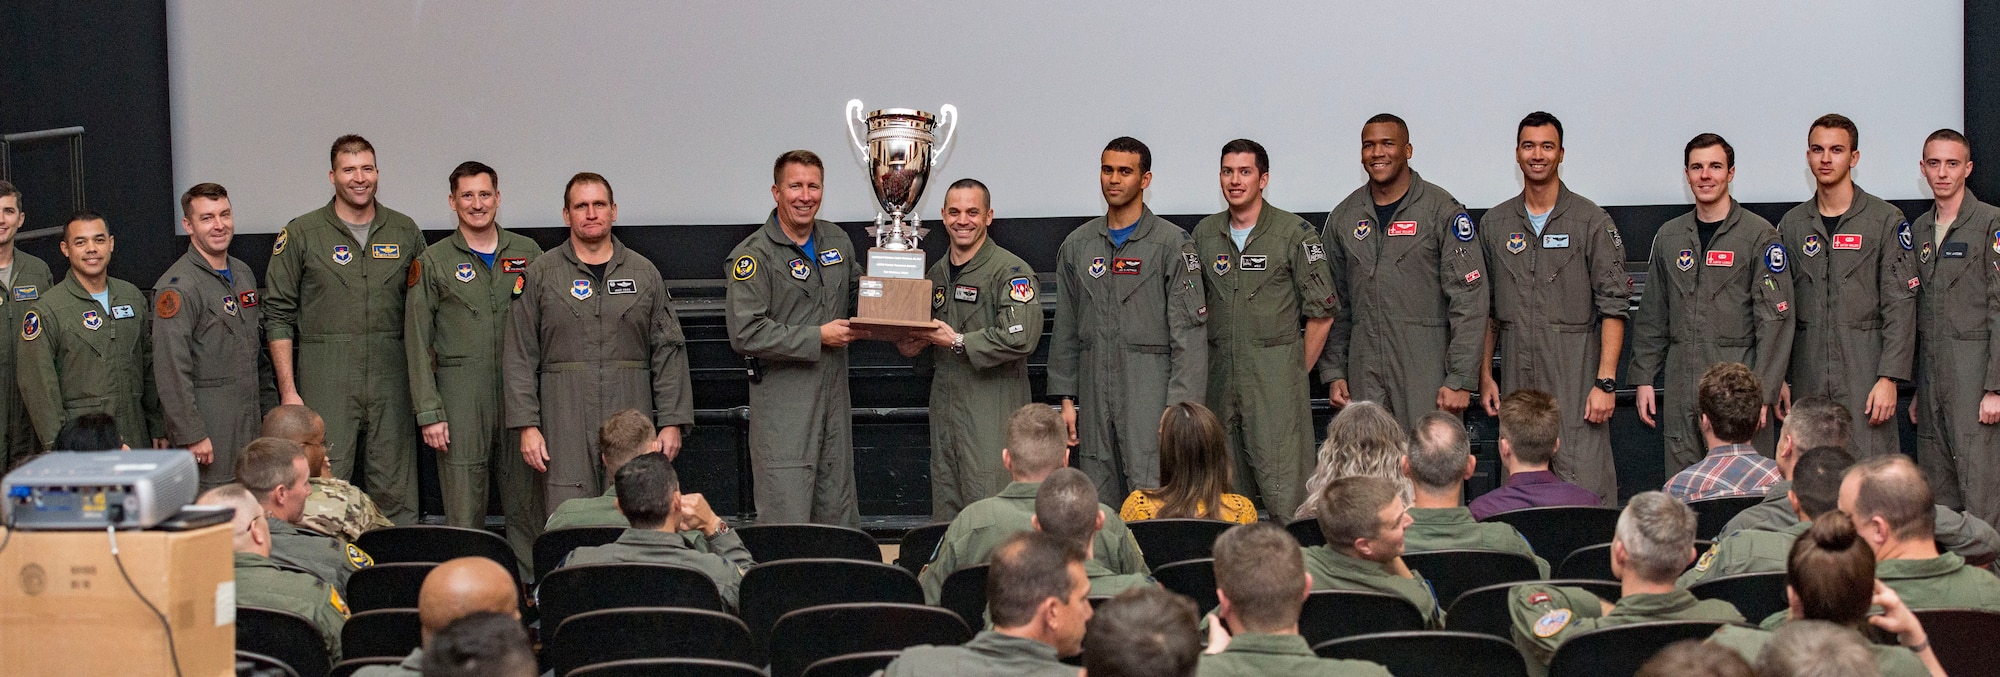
(899, 154)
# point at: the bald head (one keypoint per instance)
(299, 424)
(462, 587)
(249, 517)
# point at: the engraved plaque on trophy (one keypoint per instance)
(899, 152)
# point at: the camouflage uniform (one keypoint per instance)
(341, 510)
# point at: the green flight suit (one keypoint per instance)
(1856, 288)
(322, 555)
(412, 666)
(580, 348)
(261, 583)
(1260, 655)
(1257, 369)
(77, 357)
(1958, 356)
(17, 434)
(1414, 300)
(1551, 292)
(454, 322)
(992, 301)
(984, 525)
(209, 360)
(1107, 583)
(1752, 551)
(593, 511)
(989, 654)
(1942, 582)
(723, 558)
(1728, 302)
(1335, 570)
(1128, 341)
(1970, 537)
(801, 421)
(1434, 529)
(1547, 615)
(1893, 661)
(341, 304)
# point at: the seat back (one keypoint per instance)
(775, 542)
(573, 590)
(919, 545)
(1591, 562)
(282, 635)
(1431, 652)
(381, 633)
(1169, 540)
(350, 666)
(1963, 639)
(861, 664)
(607, 635)
(1619, 651)
(552, 546)
(668, 667)
(964, 593)
(1451, 572)
(772, 589)
(249, 664)
(1194, 578)
(1337, 614)
(1307, 531)
(436, 543)
(1556, 532)
(1484, 609)
(806, 636)
(1711, 514)
(1756, 595)
(394, 585)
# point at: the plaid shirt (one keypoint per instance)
(1730, 470)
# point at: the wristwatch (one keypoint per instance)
(1608, 385)
(958, 344)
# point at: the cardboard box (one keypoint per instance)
(65, 610)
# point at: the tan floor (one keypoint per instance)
(890, 551)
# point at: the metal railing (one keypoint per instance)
(75, 136)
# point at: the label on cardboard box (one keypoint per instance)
(225, 603)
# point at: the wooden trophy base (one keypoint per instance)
(892, 308)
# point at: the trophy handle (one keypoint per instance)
(946, 114)
(853, 115)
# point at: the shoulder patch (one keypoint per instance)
(31, 326)
(1707, 558)
(1020, 289)
(333, 597)
(416, 273)
(1774, 257)
(168, 305)
(744, 269)
(1315, 252)
(359, 559)
(1551, 623)
(1903, 236)
(278, 245)
(1461, 227)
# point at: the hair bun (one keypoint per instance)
(1833, 530)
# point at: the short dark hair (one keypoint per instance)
(471, 168)
(347, 143)
(1894, 489)
(95, 431)
(484, 644)
(267, 463)
(82, 215)
(1695, 658)
(1126, 144)
(1840, 122)
(968, 183)
(1540, 119)
(7, 189)
(208, 191)
(1389, 118)
(1258, 566)
(1439, 445)
(1708, 140)
(1818, 421)
(1350, 508)
(1066, 506)
(1816, 479)
(588, 177)
(1531, 423)
(1028, 568)
(1949, 134)
(646, 487)
(1251, 147)
(1143, 632)
(796, 157)
(1732, 399)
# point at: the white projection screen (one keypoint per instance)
(684, 104)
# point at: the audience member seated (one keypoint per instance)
(649, 495)
(1817, 649)
(1816, 422)
(334, 507)
(1038, 598)
(1814, 491)
(1731, 403)
(623, 437)
(1530, 438)
(274, 470)
(1363, 518)
(1653, 542)
(261, 583)
(1143, 632)
(484, 644)
(1893, 508)
(455, 589)
(1361, 440)
(1195, 472)
(1036, 446)
(95, 431)
(1690, 658)
(1830, 578)
(1066, 507)
(1261, 582)
(1439, 463)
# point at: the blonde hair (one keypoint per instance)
(1363, 439)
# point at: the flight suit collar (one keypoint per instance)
(280, 527)
(333, 220)
(1139, 231)
(457, 241)
(776, 232)
(75, 288)
(194, 258)
(1093, 569)
(1440, 516)
(1410, 197)
(1266, 216)
(1564, 198)
(1344, 562)
(650, 538)
(994, 643)
(618, 250)
(1904, 569)
(251, 560)
(1654, 604)
(1967, 209)
(1277, 645)
(1018, 489)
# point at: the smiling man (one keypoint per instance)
(85, 348)
(1264, 272)
(988, 321)
(23, 278)
(1958, 366)
(1718, 289)
(335, 312)
(208, 341)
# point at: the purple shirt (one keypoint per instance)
(1729, 470)
(1532, 489)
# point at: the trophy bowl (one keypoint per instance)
(901, 150)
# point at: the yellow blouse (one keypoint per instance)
(1235, 508)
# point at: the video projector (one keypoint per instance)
(92, 490)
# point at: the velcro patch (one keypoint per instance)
(168, 305)
(1402, 228)
(416, 273)
(1551, 623)
(1722, 259)
(1846, 241)
(358, 558)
